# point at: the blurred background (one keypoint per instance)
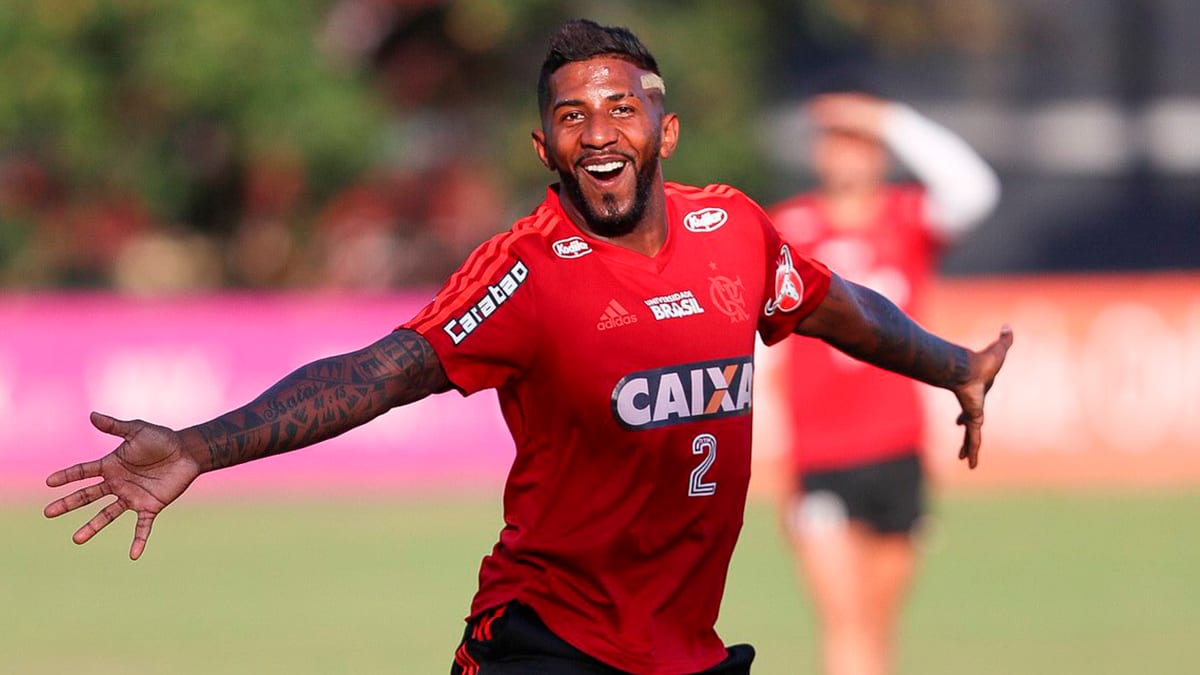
(195, 197)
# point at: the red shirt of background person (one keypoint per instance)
(604, 131)
(888, 237)
(856, 430)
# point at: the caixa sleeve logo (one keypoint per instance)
(497, 294)
(684, 393)
(705, 220)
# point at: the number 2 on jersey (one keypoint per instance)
(704, 444)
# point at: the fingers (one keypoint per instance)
(141, 534)
(74, 473)
(81, 497)
(1003, 342)
(111, 425)
(972, 438)
(98, 522)
(853, 112)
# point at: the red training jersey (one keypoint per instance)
(626, 383)
(844, 412)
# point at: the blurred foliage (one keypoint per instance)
(166, 108)
(156, 98)
(127, 94)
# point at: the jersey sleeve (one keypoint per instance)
(795, 284)
(482, 324)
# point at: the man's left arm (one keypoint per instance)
(869, 327)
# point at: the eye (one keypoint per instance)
(571, 116)
(624, 109)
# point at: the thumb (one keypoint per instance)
(111, 425)
(1006, 337)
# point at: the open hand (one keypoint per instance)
(145, 473)
(984, 366)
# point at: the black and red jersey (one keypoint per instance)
(626, 382)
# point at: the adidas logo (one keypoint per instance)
(615, 316)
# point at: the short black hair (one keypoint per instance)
(580, 40)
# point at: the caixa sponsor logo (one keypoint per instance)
(571, 247)
(705, 220)
(496, 295)
(684, 393)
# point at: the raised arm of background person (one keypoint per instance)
(153, 465)
(961, 189)
(867, 326)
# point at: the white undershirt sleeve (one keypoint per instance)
(961, 189)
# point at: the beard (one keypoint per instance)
(608, 220)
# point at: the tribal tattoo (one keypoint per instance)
(907, 348)
(889, 339)
(325, 398)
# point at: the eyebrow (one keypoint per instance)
(575, 102)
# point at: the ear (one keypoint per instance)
(539, 146)
(670, 135)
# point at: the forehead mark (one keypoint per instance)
(653, 81)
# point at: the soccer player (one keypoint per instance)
(617, 323)
(857, 495)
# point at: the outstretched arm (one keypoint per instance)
(869, 327)
(154, 465)
(319, 401)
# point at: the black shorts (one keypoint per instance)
(512, 640)
(887, 496)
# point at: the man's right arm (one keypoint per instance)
(319, 401)
(154, 465)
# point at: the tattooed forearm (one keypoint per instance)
(906, 348)
(867, 326)
(323, 399)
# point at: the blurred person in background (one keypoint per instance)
(625, 384)
(853, 505)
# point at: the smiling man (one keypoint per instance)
(617, 323)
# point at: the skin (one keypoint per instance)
(153, 465)
(849, 157)
(599, 113)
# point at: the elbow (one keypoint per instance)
(966, 207)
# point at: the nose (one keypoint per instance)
(599, 132)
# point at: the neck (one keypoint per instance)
(649, 234)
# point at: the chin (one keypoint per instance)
(609, 219)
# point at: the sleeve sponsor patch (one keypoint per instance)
(789, 287)
(495, 295)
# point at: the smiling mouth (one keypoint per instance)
(606, 171)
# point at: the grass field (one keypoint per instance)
(1014, 583)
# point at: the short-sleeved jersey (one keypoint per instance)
(845, 412)
(625, 381)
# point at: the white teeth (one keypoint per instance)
(607, 166)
